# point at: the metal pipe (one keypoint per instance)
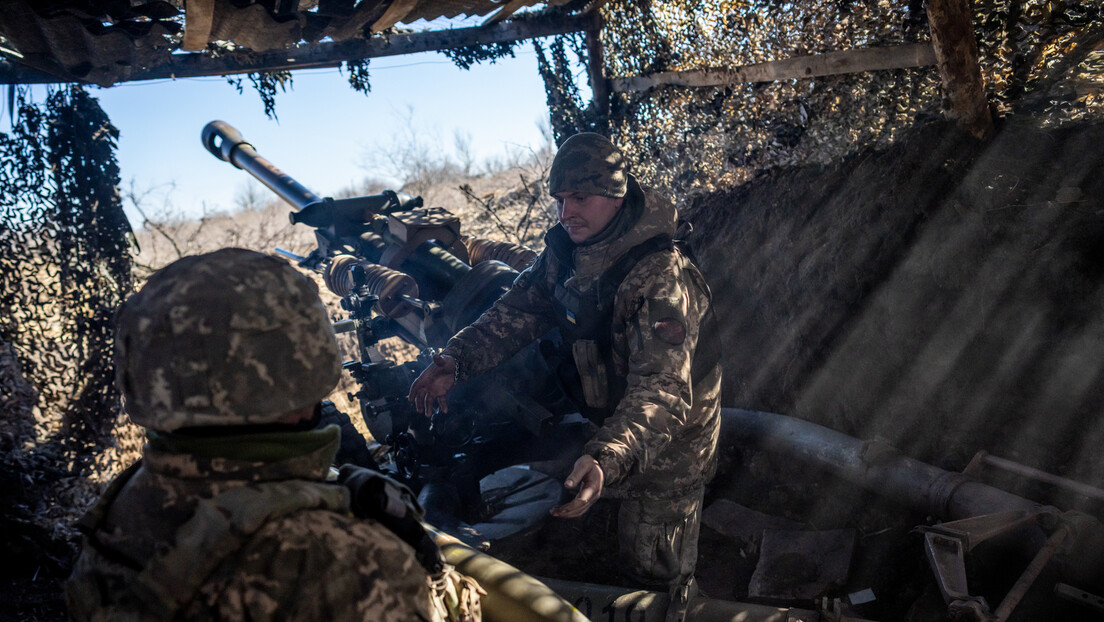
(1085, 490)
(882, 469)
(877, 467)
(607, 602)
(226, 143)
(1019, 590)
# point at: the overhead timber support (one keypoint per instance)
(956, 53)
(599, 84)
(333, 54)
(829, 63)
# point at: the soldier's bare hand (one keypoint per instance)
(431, 386)
(587, 476)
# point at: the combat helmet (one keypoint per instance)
(591, 164)
(227, 338)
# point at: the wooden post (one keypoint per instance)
(956, 55)
(599, 84)
(199, 16)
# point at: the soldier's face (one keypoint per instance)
(584, 215)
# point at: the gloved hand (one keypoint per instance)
(376, 496)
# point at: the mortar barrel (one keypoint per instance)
(226, 143)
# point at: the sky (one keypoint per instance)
(325, 134)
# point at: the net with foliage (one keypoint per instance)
(1039, 56)
(65, 266)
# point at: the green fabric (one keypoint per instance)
(267, 447)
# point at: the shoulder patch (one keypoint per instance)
(670, 331)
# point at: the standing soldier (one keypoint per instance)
(633, 314)
(228, 516)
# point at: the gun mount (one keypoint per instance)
(405, 270)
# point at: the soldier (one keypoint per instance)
(632, 311)
(223, 358)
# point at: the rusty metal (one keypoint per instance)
(1027, 579)
(1016, 468)
(1072, 594)
(948, 562)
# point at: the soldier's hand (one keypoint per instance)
(587, 476)
(429, 389)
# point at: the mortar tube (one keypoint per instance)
(607, 602)
(512, 595)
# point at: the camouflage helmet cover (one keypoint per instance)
(591, 164)
(226, 338)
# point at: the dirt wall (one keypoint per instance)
(943, 293)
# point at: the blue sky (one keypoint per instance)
(325, 130)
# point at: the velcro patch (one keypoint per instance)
(670, 330)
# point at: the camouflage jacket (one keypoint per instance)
(661, 437)
(191, 534)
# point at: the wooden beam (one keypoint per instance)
(505, 11)
(599, 84)
(199, 16)
(352, 25)
(956, 54)
(332, 54)
(829, 63)
(393, 15)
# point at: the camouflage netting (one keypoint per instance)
(64, 268)
(692, 141)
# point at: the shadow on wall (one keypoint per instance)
(942, 293)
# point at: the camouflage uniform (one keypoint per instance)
(657, 443)
(228, 515)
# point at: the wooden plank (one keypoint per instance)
(352, 25)
(956, 54)
(829, 63)
(505, 11)
(333, 54)
(599, 84)
(394, 14)
(199, 16)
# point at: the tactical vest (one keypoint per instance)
(163, 587)
(582, 355)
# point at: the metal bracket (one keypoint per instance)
(945, 546)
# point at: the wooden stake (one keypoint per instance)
(599, 85)
(956, 54)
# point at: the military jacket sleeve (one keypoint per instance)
(520, 316)
(320, 566)
(658, 312)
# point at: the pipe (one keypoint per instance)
(878, 468)
(944, 494)
(607, 602)
(512, 595)
(1078, 488)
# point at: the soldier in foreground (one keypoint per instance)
(630, 308)
(224, 358)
